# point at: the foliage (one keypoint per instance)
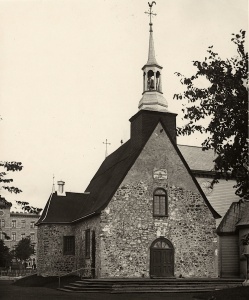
(9, 166)
(24, 249)
(28, 208)
(225, 103)
(14, 166)
(5, 182)
(5, 255)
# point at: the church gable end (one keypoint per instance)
(157, 198)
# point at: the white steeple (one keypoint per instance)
(152, 79)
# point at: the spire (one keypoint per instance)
(151, 56)
(152, 78)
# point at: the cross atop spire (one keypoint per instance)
(106, 144)
(150, 13)
(151, 54)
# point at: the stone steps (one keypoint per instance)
(150, 285)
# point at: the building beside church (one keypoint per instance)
(15, 226)
(143, 214)
(234, 240)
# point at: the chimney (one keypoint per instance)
(61, 191)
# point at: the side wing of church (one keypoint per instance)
(143, 214)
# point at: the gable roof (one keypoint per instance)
(104, 185)
(76, 206)
(237, 215)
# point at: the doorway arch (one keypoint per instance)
(161, 258)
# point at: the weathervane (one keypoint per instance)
(106, 147)
(151, 13)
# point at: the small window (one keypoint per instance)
(3, 223)
(160, 203)
(68, 245)
(23, 223)
(13, 236)
(13, 223)
(32, 236)
(32, 224)
(23, 235)
(87, 241)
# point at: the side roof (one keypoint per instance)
(236, 216)
(63, 209)
(197, 159)
(104, 185)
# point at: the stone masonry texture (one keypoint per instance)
(129, 228)
(126, 227)
(52, 262)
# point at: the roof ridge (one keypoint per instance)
(191, 146)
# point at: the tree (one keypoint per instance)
(5, 255)
(28, 208)
(24, 249)
(5, 184)
(225, 103)
(9, 166)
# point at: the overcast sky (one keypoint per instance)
(70, 77)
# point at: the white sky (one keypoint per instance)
(70, 77)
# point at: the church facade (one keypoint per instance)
(143, 214)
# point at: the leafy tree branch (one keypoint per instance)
(225, 103)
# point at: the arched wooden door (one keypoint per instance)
(161, 258)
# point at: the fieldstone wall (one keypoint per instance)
(50, 258)
(129, 228)
(80, 246)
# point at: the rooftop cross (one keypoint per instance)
(53, 187)
(151, 13)
(106, 147)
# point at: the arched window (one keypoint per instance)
(158, 81)
(161, 243)
(160, 203)
(150, 80)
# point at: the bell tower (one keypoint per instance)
(152, 98)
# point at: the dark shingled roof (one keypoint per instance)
(244, 221)
(108, 178)
(237, 215)
(74, 207)
(63, 209)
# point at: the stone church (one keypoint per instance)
(143, 214)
